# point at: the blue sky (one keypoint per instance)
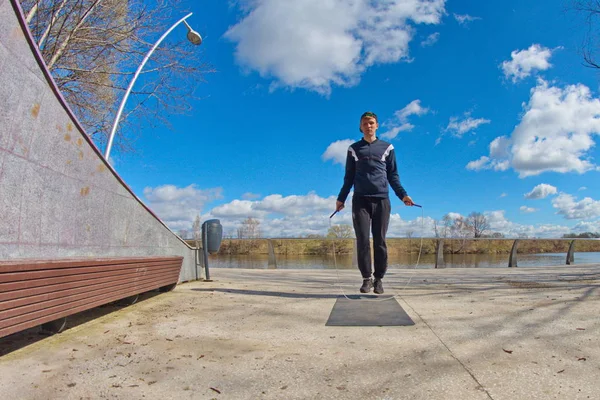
(487, 103)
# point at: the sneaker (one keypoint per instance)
(378, 286)
(366, 286)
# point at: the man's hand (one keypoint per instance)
(408, 201)
(339, 206)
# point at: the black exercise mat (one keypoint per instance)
(368, 310)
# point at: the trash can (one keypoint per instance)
(214, 235)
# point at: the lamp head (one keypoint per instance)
(194, 37)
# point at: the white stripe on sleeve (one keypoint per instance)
(387, 152)
(351, 150)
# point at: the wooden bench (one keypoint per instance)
(42, 292)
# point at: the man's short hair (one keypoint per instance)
(369, 114)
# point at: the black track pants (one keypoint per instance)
(371, 213)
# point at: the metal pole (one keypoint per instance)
(146, 58)
(205, 252)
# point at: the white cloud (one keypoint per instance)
(250, 196)
(281, 216)
(499, 223)
(566, 205)
(315, 44)
(555, 133)
(295, 205)
(417, 227)
(587, 226)
(464, 19)
(528, 210)
(178, 207)
(479, 164)
(582, 188)
(400, 123)
(300, 215)
(524, 62)
(459, 127)
(237, 209)
(412, 108)
(503, 195)
(337, 151)
(499, 148)
(292, 205)
(541, 191)
(454, 215)
(431, 40)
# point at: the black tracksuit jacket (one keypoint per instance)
(369, 167)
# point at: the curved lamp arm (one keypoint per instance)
(192, 36)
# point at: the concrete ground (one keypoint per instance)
(503, 334)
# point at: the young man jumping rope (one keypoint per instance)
(370, 166)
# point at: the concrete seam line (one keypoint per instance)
(448, 348)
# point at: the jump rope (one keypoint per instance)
(338, 282)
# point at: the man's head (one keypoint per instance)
(368, 124)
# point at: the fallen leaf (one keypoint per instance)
(201, 356)
(580, 329)
(71, 384)
(216, 390)
(507, 351)
(169, 340)
(107, 331)
(562, 370)
(582, 359)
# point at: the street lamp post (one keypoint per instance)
(193, 36)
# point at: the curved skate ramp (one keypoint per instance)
(59, 198)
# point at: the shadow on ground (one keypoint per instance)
(27, 337)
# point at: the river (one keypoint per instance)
(405, 261)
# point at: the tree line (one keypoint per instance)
(475, 225)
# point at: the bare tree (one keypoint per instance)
(455, 227)
(183, 233)
(447, 223)
(409, 235)
(495, 235)
(590, 9)
(197, 229)
(477, 223)
(342, 231)
(313, 236)
(92, 49)
(459, 229)
(249, 229)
